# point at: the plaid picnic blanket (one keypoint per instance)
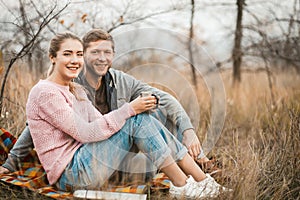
(33, 177)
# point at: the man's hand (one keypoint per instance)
(3, 170)
(191, 141)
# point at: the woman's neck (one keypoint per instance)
(58, 80)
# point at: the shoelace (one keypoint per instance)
(194, 189)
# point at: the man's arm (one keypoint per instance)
(20, 150)
(176, 114)
(129, 88)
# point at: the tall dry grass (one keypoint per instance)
(259, 144)
(19, 83)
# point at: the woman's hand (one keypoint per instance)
(142, 104)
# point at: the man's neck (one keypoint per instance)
(94, 81)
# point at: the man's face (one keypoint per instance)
(98, 57)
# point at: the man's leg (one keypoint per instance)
(22, 148)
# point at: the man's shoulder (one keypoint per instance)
(118, 74)
(113, 71)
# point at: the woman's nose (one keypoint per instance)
(74, 59)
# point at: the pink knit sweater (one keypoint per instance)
(60, 124)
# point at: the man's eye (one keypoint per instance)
(66, 54)
(94, 52)
(80, 54)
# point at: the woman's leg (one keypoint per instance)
(155, 141)
(101, 159)
(94, 163)
(160, 140)
(197, 185)
(189, 167)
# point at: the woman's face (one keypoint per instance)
(68, 61)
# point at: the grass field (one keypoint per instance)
(260, 142)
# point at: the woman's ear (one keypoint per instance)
(52, 60)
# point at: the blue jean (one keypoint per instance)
(161, 115)
(139, 163)
(94, 163)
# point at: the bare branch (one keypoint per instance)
(27, 47)
(287, 20)
(41, 16)
(138, 19)
(122, 15)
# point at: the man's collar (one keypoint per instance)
(108, 78)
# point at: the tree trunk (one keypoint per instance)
(191, 36)
(237, 51)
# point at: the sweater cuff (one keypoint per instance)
(131, 110)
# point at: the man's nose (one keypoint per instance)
(101, 56)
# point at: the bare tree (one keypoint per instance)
(274, 38)
(30, 41)
(129, 12)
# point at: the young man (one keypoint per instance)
(109, 89)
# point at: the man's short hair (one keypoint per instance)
(95, 35)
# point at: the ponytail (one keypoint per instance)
(50, 70)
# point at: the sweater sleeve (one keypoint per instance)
(53, 107)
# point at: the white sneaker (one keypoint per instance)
(195, 190)
(190, 190)
(210, 188)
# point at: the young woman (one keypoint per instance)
(80, 148)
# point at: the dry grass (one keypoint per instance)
(260, 142)
(15, 193)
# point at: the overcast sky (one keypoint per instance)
(214, 19)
